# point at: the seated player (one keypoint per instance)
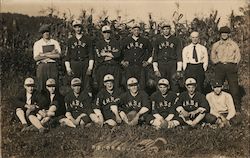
(134, 103)
(78, 106)
(192, 105)
(56, 103)
(107, 103)
(163, 108)
(28, 103)
(221, 105)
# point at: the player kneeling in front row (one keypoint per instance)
(222, 106)
(192, 106)
(107, 103)
(163, 108)
(28, 103)
(78, 106)
(135, 105)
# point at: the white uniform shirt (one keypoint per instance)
(38, 48)
(222, 103)
(187, 55)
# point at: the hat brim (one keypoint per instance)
(190, 84)
(76, 84)
(78, 25)
(163, 84)
(133, 84)
(51, 85)
(30, 84)
(106, 31)
(111, 80)
(136, 27)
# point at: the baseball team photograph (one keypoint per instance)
(125, 79)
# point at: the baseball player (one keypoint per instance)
(195, 60)
(79, 59)
(107, 103)
(221, 105)
(163, 106)
(192, 105)
(167, 59)
(225, 55)
(45, 52)
(135, 104)
(28, 103)
(136, 55)
(78, 106)
(107, 53)
(56, 102)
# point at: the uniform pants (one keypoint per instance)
(79, 69)
(229, 72)
(168, 71)
(45, 71)
(197, 72)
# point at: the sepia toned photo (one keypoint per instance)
(124, 78)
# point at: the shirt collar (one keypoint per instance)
(135, 38)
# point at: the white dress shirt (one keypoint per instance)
(187, 55)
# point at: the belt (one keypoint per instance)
(226, 63)
(44, 62)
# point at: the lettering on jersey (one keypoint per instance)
(165, 104)
(134, 45)
(166, 44)
(191, 103)
(134, 104)
(78, 44)
(110, 100)
(76, 103)
(107, 49)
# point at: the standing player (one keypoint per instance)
(108, 53)
(195, 61)
(136, 55)
(192, 106)
(45, 52)
(78, 106)
(167, 56)
(107, 103)
(225, 55)
(79, 60)
(221, 105)
(163, 108)
(134, 103)
(28, 103)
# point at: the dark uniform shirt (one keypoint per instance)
(136, 51)
(190, 104)
(129, 103)
(58, 101)
(167, 49)
(104, 99)
(78, 105)
(79, 50)
(162, 104)
(112, 47)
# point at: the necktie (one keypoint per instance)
(195, 55)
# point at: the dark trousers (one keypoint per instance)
(79, 69)
(229, 72)
(104, 69)
(45, 71)
(196, 71)
(168, 71)
(136, 71)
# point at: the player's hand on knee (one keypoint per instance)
(70, 72)
(118, 119)
(145, 63)
(184, 113)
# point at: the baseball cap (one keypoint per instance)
(108, 77)
(217, 83)
(77, 22)
(225, 29)
(136, 25)
(51, 82)
(163, 81)
(165, 24)
(132, 81)
(44, 28)
(106, 28)
(76, 82)
(29, 81)
(190, 81)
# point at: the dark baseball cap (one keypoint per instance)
(225, 29)
(217, 83)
